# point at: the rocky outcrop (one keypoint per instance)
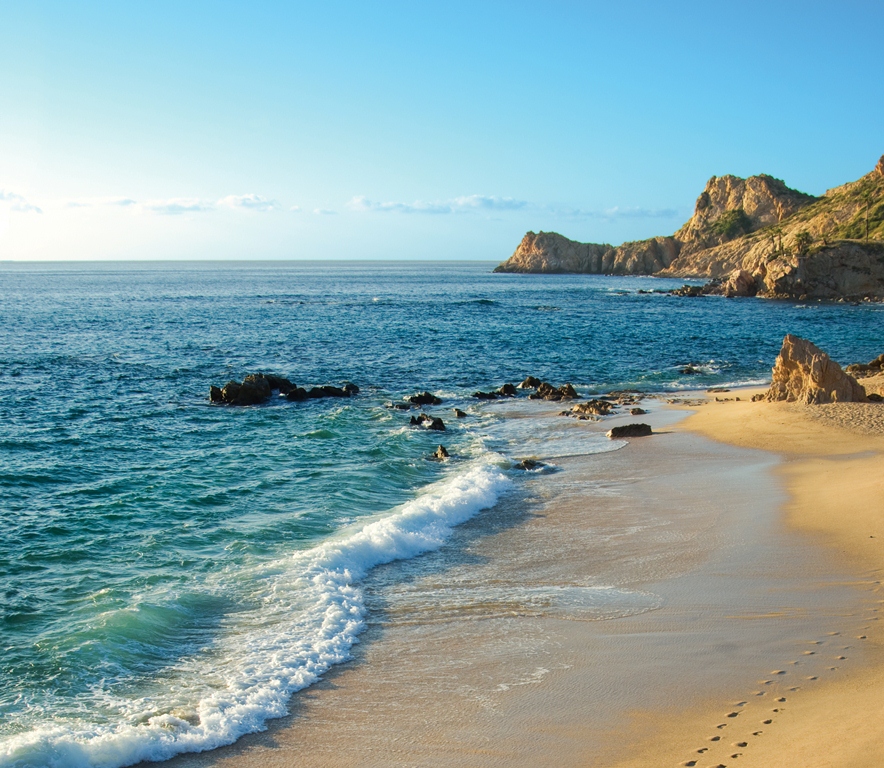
(754, 237)
(551, 253)
(805, 374)
(547, 391)
(872, 368)
(731, 207)
(424, 398)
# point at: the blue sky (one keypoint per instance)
(412, 130)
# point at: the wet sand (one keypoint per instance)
(633, 608)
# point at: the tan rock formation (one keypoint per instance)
(789, 244)
(805, 374)
(551, 253)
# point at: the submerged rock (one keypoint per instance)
(441, 453)
(486, 395)
(630, 430)
(803, 373)
(459, 414)
(529, 464)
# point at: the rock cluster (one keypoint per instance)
(805, 374)
(424, 398)
(507, 390)
(591, 408)
(546, 391)
(257, 388)
(872, 368)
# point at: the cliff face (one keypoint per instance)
(757, 235)
(731, 207)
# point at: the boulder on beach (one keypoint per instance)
(803, 373)
(530, 382)
(637, 411)
(872, 368)
(546, 391)
(630, 430)
(592, 407)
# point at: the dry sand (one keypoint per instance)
(764, 648)
(834, 475)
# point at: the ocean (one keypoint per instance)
(173, 572)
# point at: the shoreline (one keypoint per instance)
(549, 690)
(832, 471)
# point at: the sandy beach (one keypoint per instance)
(754, 639)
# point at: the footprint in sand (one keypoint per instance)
(779, 672)
(715, 738)
(757, 733)
(741, 744)
(812, 678)
(759, 693)
(740, 704)
(736, 754)
(702, 750)
(809, 653)
(733, 714)
(833, 634)
(766, 722)
(689, 762)
(781, 699)
(796, 688)
(861, 637)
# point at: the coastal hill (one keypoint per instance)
(752, 236)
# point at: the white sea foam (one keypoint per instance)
(309, 612)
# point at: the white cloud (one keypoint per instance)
(455, 205)
(249, 202)
(178, 205)
(295, 208)
(17, 203)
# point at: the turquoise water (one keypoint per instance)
(171, 572)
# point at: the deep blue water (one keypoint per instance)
(171, 571)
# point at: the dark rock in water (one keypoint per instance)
(349, 386)
(327, 391)
(428, 422)
(297, 394)
(441, 453)
(528, 464)
(531, 382)
(637, 411)
(689, 370)
(279, 383)
(630, 430)
(486, 395)
(400, 406)
(459, 414)
(254, 389)
(689, 290)
(424, 398)
(507, 390)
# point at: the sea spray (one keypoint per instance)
(260, 667)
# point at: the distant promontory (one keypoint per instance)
(749, 237)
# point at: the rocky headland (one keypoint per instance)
(748, 237)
